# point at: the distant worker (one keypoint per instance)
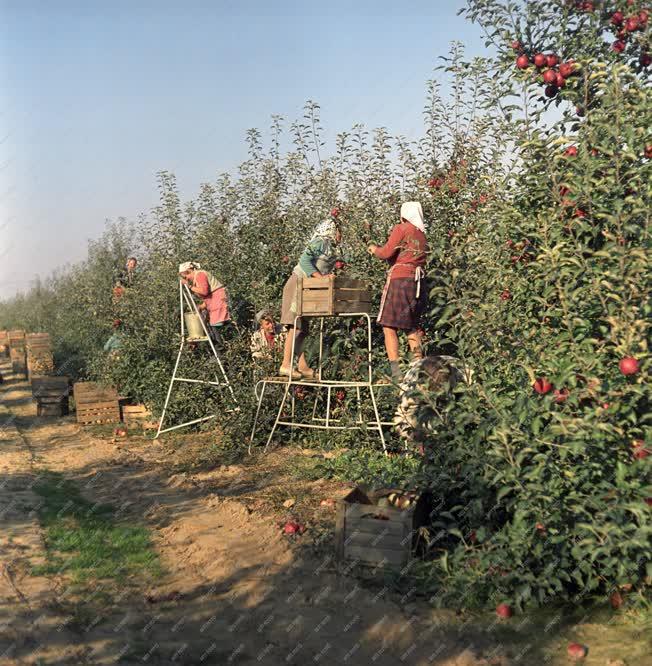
(269, 339)
(130, 273)
(114, 343)
(213, 294)
(404, 296)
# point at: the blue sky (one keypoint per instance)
(96, 97)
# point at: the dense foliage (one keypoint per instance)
(537, 197)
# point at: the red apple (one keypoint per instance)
(552, 60)
(550, 77)
(566, 69)
(631, 24)
(335, 212)
(561, 395)
(571, 151)
(516, 45)
(522, 62)
(579, 213)
(540, 527)
(616, 600)
(645, 59)
(641, 453)
(539, 60)
(506, 295)
(642, 17)
(628, 365)
(504, 611)
(435, 183)
(121, 432)
(285, 259)
(618, 46)
(292, 527)
(617, 18)
(542, 386)
(561, 81)
(551, 91)
(588, 6)
(340, 395)
(339, 264)
(648, 151)
(576, 651)
(648, 501)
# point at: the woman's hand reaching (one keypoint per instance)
(372, 249)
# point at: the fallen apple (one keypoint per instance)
(504, 611)
(576, 651)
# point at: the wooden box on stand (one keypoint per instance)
(329, 296)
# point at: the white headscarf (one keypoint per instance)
(188, 266)
(413, 213)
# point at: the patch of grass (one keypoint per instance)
(86, 540)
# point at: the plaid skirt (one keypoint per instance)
(402, 309)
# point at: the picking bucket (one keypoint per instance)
(194, 328)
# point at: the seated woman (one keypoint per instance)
(269, 339)
(403, 300)
(213, 294)
(317, 260)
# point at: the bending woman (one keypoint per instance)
(317, 260)
(404, 296)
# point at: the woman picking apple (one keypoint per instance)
(213, 294)
(317, 260)
(404, 296)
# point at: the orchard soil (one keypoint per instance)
(233, 589)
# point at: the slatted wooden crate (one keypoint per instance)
(333, 295)
(4, 344)
(51, 395)
(95, 403)
(378, 535)
(135, 414)
(17, 339)
(18, 360)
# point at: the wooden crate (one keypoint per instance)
(135, 414)
(38, 341)
(51, 395)
(95, 403)
(18, 361)
(376, 535)
(333, 295)
(17, 339)
(4, 344)
(40, 364)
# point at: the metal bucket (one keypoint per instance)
(194, 328)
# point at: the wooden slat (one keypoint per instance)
(90, 406)
(352, 295)
(379, 539)
(358, 511)
(375, 526)
(316, 283)
(371, 555)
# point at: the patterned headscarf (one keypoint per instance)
(325, 229)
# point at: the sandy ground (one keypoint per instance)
(235, 590)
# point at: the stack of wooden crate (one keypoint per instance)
(51, 395)
(4, 344)
(95, 403)
(17, 352)
(39, 354)
(329, 296)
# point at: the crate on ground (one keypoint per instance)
(386, 535)
(18, 360)
(95, 403)
(51, 395)
(17, 339)
(333, 295)
(136, 415)
(4, 344)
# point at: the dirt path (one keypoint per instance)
(234, 591)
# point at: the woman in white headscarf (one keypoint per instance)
(317, 260)
(404, 296)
